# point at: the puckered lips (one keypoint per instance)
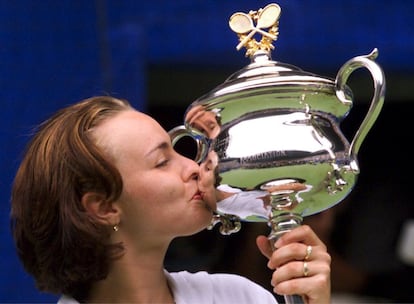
(201, 196)
(198, 195)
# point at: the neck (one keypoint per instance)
(134, 278)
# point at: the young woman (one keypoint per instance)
(100, 195)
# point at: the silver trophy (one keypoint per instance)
(273, 133)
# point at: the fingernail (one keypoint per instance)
(270, 265)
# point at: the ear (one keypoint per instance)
(105, 212)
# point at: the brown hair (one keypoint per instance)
(58, 242)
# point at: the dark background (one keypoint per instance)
(162, 55)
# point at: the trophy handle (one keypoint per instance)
(201, 141)
(377, 101)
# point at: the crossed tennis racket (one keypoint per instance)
(242, 23)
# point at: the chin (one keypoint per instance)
(203, 221)
(210, 205)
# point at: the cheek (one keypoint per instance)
(152, 190)
(144, 206)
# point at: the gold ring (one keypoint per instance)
(308, 252)
(305, 269)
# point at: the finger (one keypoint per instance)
(291, 280)
(264, 246)
(298, 252)
(300, 271)
(291, 252)
(302, 233)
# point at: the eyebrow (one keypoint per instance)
(162, 146)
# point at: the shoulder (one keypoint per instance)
(218, 288)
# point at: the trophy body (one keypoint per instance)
(275, 131)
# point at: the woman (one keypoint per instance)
(100, 195)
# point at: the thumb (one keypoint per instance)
(264, 246)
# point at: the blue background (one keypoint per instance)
(53, 53)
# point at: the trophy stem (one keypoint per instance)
(281, 224)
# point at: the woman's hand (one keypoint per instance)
(301, 265)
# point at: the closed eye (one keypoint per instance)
(162, 163)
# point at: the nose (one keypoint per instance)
(191, 170)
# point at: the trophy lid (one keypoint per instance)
(265, 78)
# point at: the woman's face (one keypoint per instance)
(160, 195)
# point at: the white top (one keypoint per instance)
(204, 288)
